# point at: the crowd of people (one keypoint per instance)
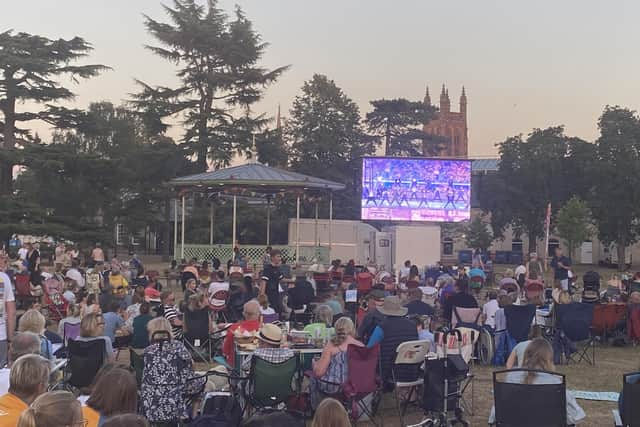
(121, 306)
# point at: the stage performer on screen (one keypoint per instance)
(450, 197)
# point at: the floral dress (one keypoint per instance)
(167, 381)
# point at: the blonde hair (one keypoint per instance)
(89, 325)
(27, 374)
(331, 413)
(564, 298)
(53, 409)
(32, 321)
(159, 324)
(344, 328)
(537, 355)
(73, 310)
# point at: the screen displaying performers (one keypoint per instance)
(414, 189)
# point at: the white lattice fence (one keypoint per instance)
(254, 254)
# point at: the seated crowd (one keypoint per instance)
(116, 309)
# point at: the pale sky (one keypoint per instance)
(524, 64)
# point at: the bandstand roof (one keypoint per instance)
(256, 176)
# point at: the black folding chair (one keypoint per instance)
(85, 360)
(529, 405)
(630, 416)
(574, 323)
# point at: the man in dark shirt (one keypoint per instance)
(301, 293)
(373, 317)
(561, 266)
(460, 299)
(416, 305)
(270, 281)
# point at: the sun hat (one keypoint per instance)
(377, 294)
(271, 334)
(392, 307)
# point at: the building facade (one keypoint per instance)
(449, 124)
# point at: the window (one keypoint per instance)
(516, 245)
(447, 246)
(121, 234)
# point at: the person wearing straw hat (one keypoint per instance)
(269, 339)
(393, 331)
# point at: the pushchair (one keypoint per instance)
(446, 378)
(591, 291)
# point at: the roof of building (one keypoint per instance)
(484, 165)
(256, 175)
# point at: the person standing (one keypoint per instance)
(7, 312)
(97, 254)
(33, 261)
(561, 266)
(270, 281)
(22, 252)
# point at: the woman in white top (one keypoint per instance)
(539, 355)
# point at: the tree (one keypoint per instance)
(327, 140)
(399, 122)
(531, 173)
(573, 223)
(616, 196)
(220, 80)
(271, 148)
(478, 235)
(31, 67)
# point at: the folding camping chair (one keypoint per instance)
(534, 291)
(270, 383)
(630, 416)
(23, 290)
(633, 323)
(573, 323)
(219, 310)
(607, 320)
(408, 354)
(466, 317)
(85, 360)
(529, 405)
(364, 282)
(136, 362)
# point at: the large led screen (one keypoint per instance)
(414, 189)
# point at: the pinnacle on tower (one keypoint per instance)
(427, 97)
(278, 121)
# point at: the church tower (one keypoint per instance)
(449, 124)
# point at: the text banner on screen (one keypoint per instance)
(416, 189)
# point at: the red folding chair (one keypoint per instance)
(219, 309)
(23, 290)
(633, 323)
(608, 320)
(364, 282)
(534, 289)
(412, 284)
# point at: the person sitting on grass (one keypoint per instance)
(269, 349)
(28, 379)
(322, 322)
(33, 321)
(539, 356)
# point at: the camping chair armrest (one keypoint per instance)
(230, 376)
(617, 421)
(310, 374)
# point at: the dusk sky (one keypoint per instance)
(524, 64)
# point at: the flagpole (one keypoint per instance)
(546, 239)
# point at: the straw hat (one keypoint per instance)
(392, 307)
(271, 334)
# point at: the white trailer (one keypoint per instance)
(419, 243)
(363, 243)
(349, 239)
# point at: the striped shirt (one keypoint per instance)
(171, 314)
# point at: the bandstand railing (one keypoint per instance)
(254, 254)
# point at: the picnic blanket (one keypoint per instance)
(604, 396)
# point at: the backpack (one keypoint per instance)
(219, 409)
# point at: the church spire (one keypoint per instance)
(427, 98)
(463, 102)
(278, 120)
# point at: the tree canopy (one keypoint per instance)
(217, 59)
(574, 223)
(31, 67)
(399, 123)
